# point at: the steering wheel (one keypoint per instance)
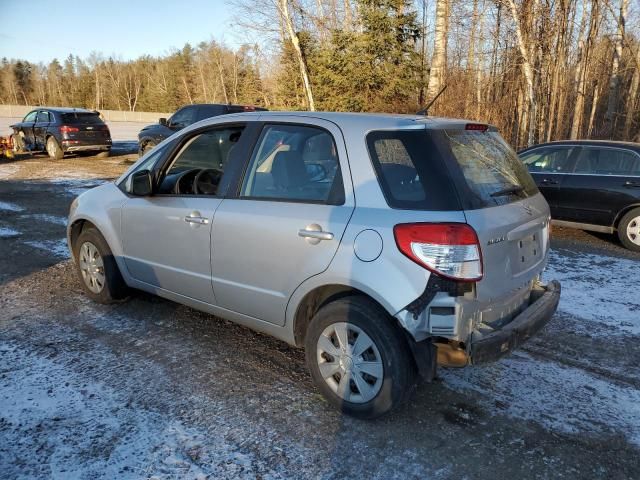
(206, 181)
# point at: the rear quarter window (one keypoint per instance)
(410, 171)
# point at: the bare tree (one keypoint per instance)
(439, 59)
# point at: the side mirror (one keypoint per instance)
(162, 121)
(140, 183)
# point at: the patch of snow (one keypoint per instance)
(10, 207)
(8, 170)
(596, 288)
(8, 232)
(77, 186)
(558, 397)
(58, 248)
(48, 218)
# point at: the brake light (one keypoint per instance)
(478, 127)
(68, 129)
(448, 249)
(249, 108)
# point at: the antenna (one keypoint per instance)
(425, 110)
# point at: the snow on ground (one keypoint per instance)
(77, 185)
(58, 248)
(558, 397)
(10, 207)
(57, 220)
(8, 170)
(8, 232)
(597, 288)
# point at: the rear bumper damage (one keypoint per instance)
(490, 347)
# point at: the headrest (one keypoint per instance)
(289, 170)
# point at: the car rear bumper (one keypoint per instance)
(492, 346)
(85, 148)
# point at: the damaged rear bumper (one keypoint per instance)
(492, 346)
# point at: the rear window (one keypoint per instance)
(80, 117)
(493, 173)
(410, 170)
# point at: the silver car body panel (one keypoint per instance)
(249, 265)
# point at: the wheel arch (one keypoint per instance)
(623, 212)
(319, 296)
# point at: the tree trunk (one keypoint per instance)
(594, 106)
(632, 99)
(527, 71)
(614, 79)
(439, 59)
(295, 41)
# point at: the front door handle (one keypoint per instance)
(313, 234)
(196, 218)
(630, 184)
(546, 181)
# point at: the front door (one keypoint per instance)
(167, 236)
(549, 167)
(285, 226)
(40, 129)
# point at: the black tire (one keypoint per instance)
(399, 370)
(103, 154)
(18, 143)
(630, 221)
(53, 149)
(147, 147)
(114, 288)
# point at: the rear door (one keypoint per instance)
(287, 221)
(549, 167)
(604, 182)
(504, 207)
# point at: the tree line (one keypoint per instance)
(538, 69)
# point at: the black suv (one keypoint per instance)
(57, 131)
(590, 185)
(151, 135)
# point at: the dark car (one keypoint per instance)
(151, 135)
(590, 185)
(57, 131)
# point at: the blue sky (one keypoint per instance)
(40, 30)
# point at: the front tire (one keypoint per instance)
(103, 154)
(53, 149)
(358, 358)
(97, 269)
(629, 230)
(147, 147)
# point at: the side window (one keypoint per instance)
(296, 163)
(31, 117)
(199, 165)
(552, 160)
(43, 117)
(183, 117)
(607, 161)
(145, 163)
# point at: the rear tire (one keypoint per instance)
(103, 154)
(53, 149)
(97, 269)
(629, 230)
(362, 382)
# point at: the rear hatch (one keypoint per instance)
(502, 203)
(85, 128)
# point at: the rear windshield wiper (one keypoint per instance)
(512, 190)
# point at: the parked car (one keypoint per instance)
(590, 185)
(152, 135)
(57, 131)
(335, 232)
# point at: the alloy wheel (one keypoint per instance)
(633, 230)
(350, 362)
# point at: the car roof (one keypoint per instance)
(65, 110)
(597, 143)
(366, 121)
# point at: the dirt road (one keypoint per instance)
(151, 389)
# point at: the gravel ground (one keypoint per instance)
(151, 389)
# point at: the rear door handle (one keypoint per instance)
(546, 181)
(313, 234)
(630, 184)
(195, 217)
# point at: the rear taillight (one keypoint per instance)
(68, 129)
(477, 127)
(448, 249)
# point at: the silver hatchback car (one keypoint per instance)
(386, 245)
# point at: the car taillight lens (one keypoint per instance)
(448, 249)
(68, 129)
